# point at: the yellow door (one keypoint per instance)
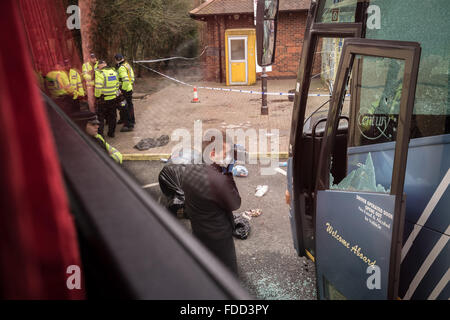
(237, 63)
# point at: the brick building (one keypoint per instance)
(222, 15)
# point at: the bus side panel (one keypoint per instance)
(424, 272)
(427, 166)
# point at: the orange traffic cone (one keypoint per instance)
(195, 100)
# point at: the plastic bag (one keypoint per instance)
(241, 227)
(170, 179)
(240, 171)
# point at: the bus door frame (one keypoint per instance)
(296, 146)
(410, 53)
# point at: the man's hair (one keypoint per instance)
(227, 140)
(119, 57)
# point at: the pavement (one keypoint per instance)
(269, 267)
(163, 106)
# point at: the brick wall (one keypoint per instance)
(290, 34)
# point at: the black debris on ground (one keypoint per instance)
(149, 143)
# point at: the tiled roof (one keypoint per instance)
(216, 7)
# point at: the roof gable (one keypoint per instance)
(217, 7)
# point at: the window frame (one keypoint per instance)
(117, 226)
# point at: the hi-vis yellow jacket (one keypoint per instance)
(89, 73)
(76, 86)
(106, 83)
(126, 76)
(113, 152)
(58, 83)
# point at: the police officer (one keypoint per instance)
(88, 69)
(126, 78)
(58, 85)
(106, 93)
(89, 123)
(88, 72)
(75, 84)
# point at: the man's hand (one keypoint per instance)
(287, 197)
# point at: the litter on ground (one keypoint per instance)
(240, 171)
(149, 143)
(253, 212)
(261, 190)
(241, 227)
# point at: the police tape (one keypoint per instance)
(171, 58)
(232, 90)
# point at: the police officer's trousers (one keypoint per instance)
(130, 120)
(106, 110)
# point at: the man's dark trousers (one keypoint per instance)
(129, 120)
(224, 249)
(106, 110)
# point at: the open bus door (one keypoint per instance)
(359, 218)
(305, 143)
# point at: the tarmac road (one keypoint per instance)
(269, 267)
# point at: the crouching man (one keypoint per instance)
(89, 123)
(211, 196)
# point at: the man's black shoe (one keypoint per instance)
(126, 129)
